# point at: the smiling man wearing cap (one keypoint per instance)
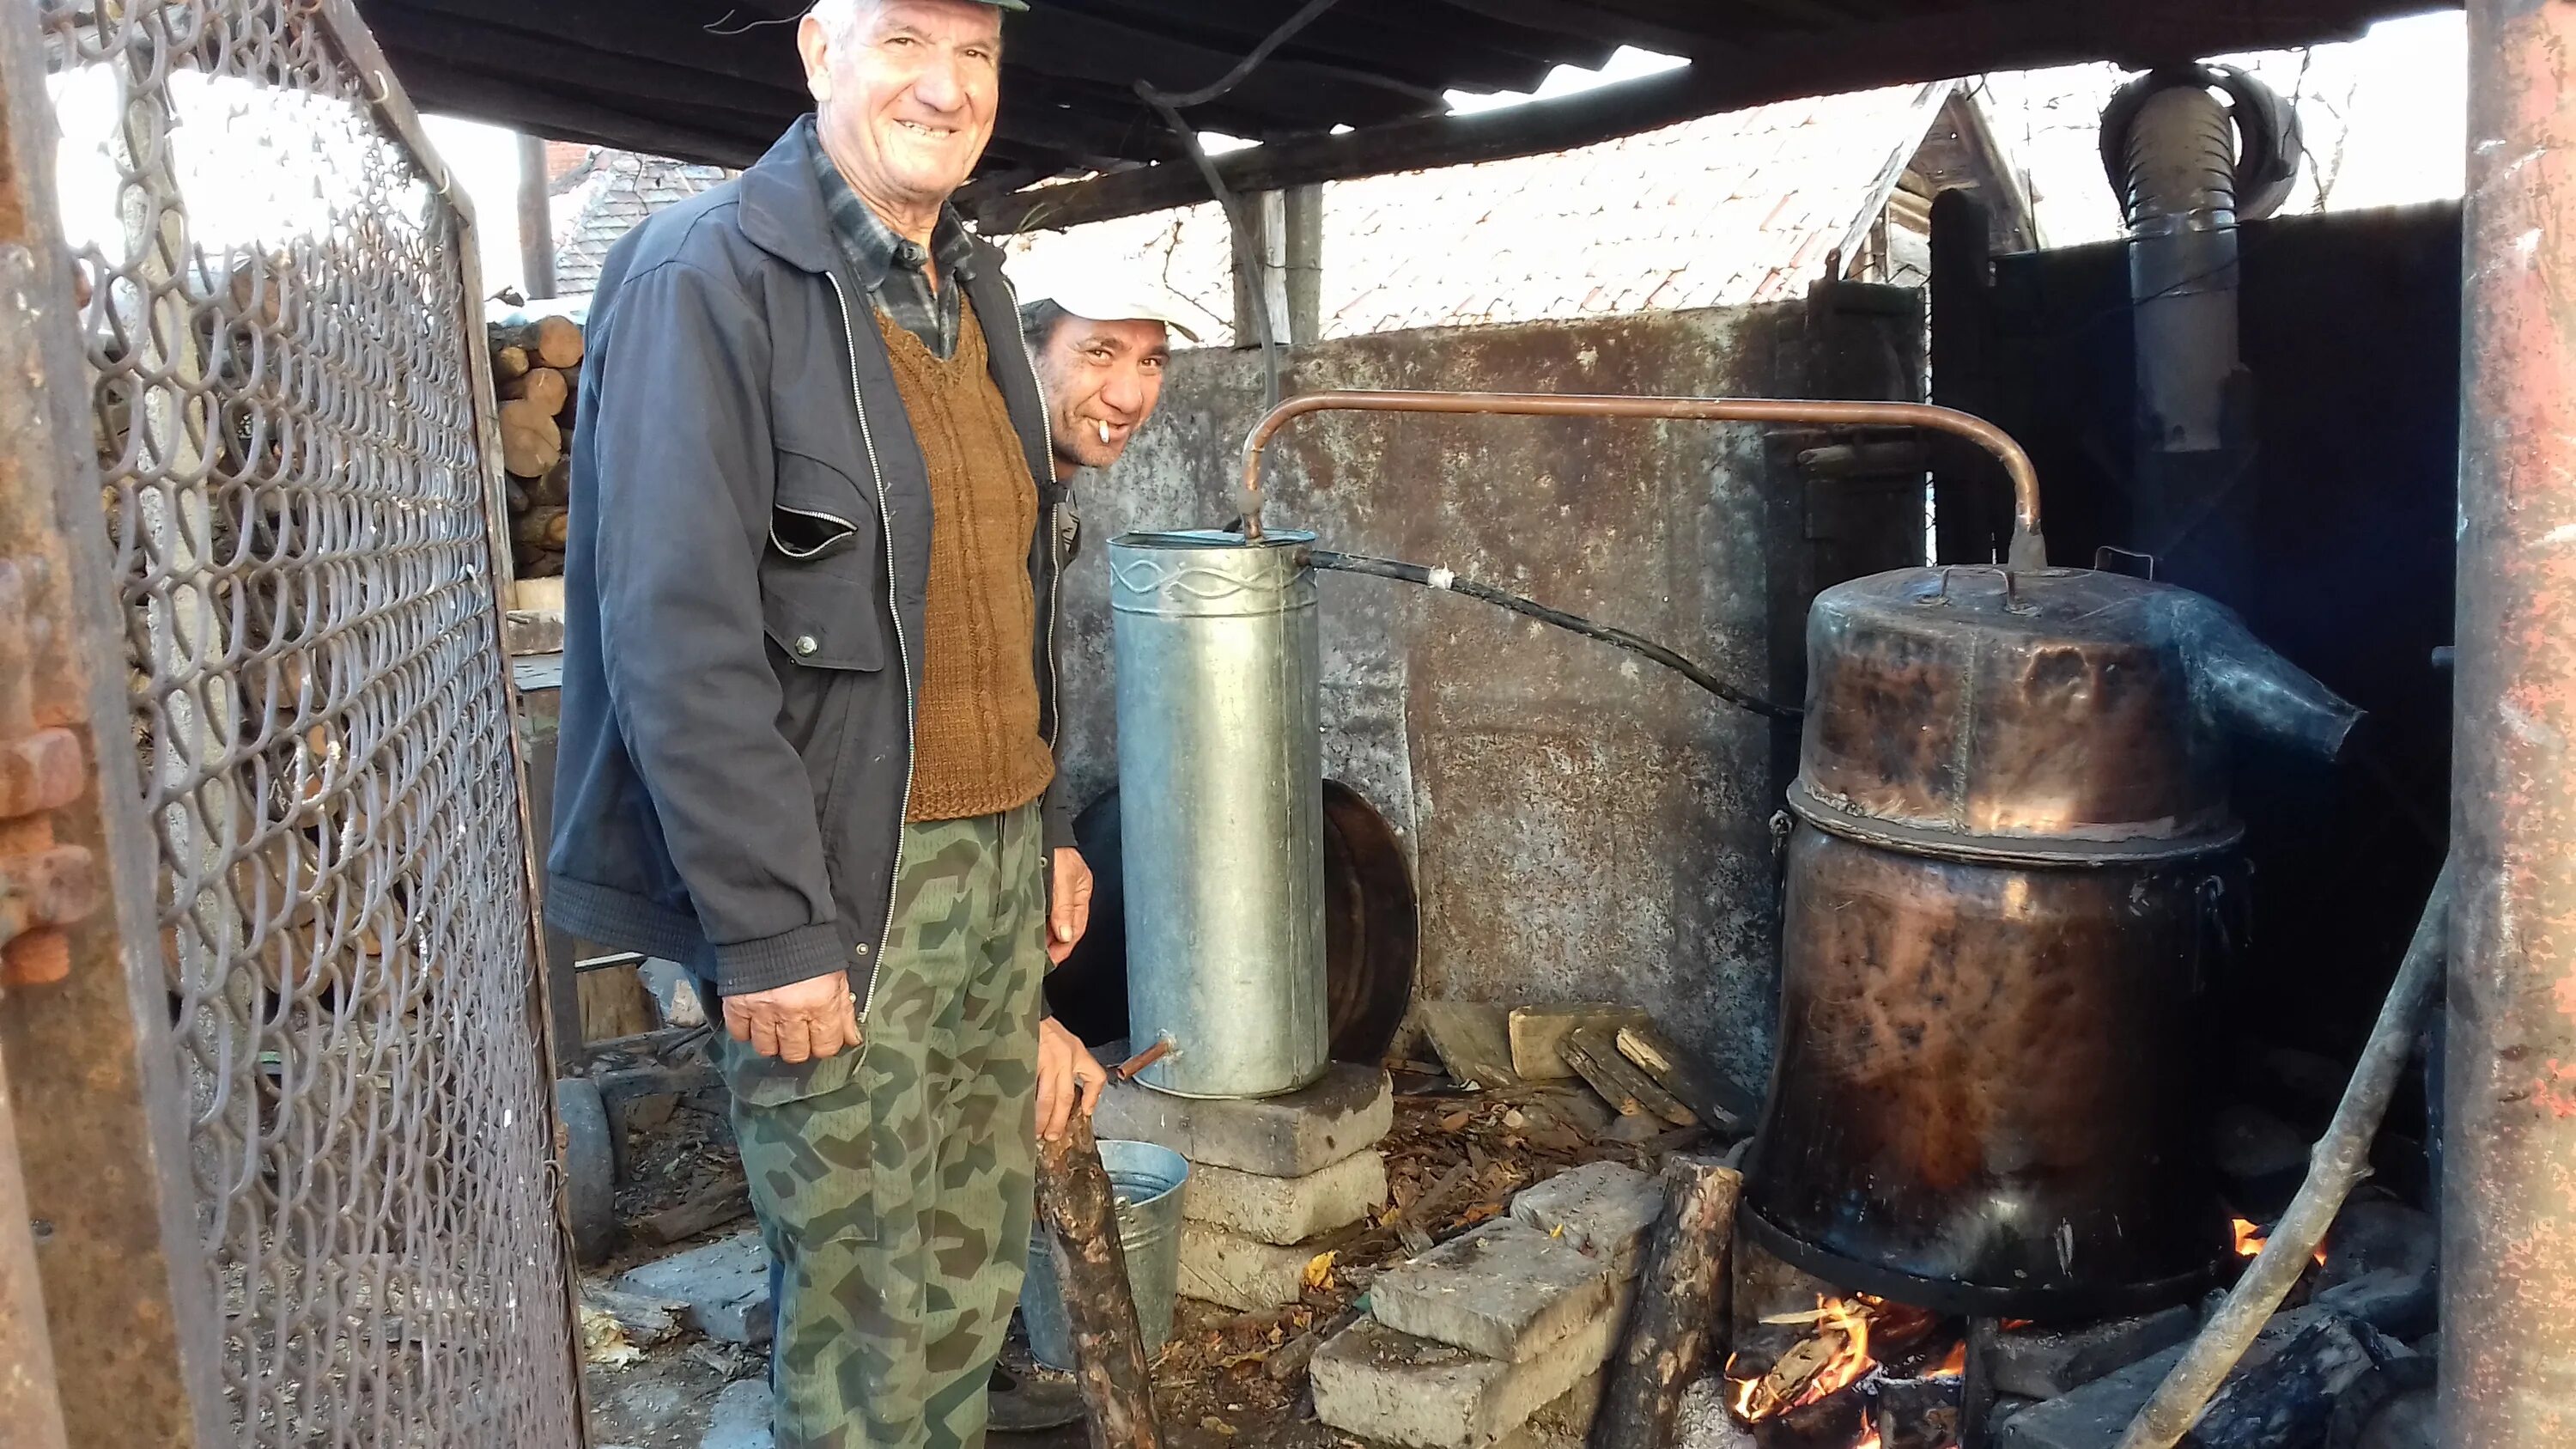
(1101, 345)
(809, 710)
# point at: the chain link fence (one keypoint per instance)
(275, 306)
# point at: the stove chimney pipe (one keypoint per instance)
(2189, 165)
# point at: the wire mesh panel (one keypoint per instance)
(276, 319)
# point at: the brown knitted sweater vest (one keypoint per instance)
(976, 748)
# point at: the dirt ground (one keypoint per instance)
(1226, 1380)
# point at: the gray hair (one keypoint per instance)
(841, 17)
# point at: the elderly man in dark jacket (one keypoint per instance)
(809, 709)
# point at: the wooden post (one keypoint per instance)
(1679, 1288)
(536, 221)
(1260, 268)
(1080, 1210)
(1302, 253)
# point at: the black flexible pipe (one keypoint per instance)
(1443, 579)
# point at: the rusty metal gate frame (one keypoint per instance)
(156, 1329)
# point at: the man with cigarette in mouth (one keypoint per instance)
(1101, 344)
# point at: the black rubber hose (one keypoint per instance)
(1443, 579)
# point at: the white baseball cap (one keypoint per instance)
(1103, 294)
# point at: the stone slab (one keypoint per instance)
(1286, 1210)
(1473, 1039)
(2040, 1363)
(1347, 1112)
(1506, 1290)
(1537, 1034)
(1239, 1272)
(741, 1417)
(1600, 1208)
(1374, 1382)
(722, 1289)
(2094, 1416)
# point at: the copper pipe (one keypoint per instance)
(1126, 1071)
(2028, 551)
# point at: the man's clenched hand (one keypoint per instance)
(1068, 904)
(1066, 1071)
(799, 1021)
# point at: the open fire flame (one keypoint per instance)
(2250, 1240)
(1836, 1356)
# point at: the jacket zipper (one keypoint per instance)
(903, 650)
(1055, 537)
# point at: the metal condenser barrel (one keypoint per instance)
(1220, 777)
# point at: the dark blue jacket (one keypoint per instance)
(743, 591)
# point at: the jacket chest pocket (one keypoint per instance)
(822, 580)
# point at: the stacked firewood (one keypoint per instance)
(537, 370)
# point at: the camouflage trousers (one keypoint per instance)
(894, 1185)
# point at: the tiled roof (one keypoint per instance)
(1722, 211)
(600, 201)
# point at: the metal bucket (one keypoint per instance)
(1220, 772)
(1148, 1180)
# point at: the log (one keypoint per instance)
(1594, 1055)
(509, 363)
(1667, 1344)
(542, 529)
(555, 488)
(554, 341)
(728, 1201)
(1717, 1101)
(1538, 1034)
(520, 502)
(1080, 1210)
(543, 386)
(530, 441)
(615, 1003)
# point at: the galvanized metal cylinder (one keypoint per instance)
(1220, 776)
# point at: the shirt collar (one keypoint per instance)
(874, 247)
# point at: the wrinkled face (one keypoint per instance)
(905, 94)
(1102, 380)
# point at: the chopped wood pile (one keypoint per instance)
(536, 370)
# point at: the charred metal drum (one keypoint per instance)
(1221, 782)
(2013, 854)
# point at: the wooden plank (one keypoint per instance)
(1594, 1055)
(1716, 1101)
(1538, 1033)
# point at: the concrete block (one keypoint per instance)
(2042, 1363)
(1240, 1272)
(741, 1417)
(2094, 1416)
(1563, 1424)
(1287, 1210)
(1601, 1208)
(1538, 1033)
(1506, 1290)
(1383, 1385)
(1291, 1136)
(722, 1288)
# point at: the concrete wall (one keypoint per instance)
(1582, 824)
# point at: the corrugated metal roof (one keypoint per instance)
(605, 197)
(1721, 211)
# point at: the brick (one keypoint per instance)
(722, 1289)
(1347, 1112)
(1287, 1210)
(1601, 1208)
(1506, 1291)
(2044, 1363)
(1240, 1272)
(1538, 1034)
(1380, 1384)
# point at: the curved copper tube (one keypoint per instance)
(2028, 550)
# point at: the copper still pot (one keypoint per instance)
(2013, 850)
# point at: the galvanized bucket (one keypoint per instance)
(1148, 1180)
